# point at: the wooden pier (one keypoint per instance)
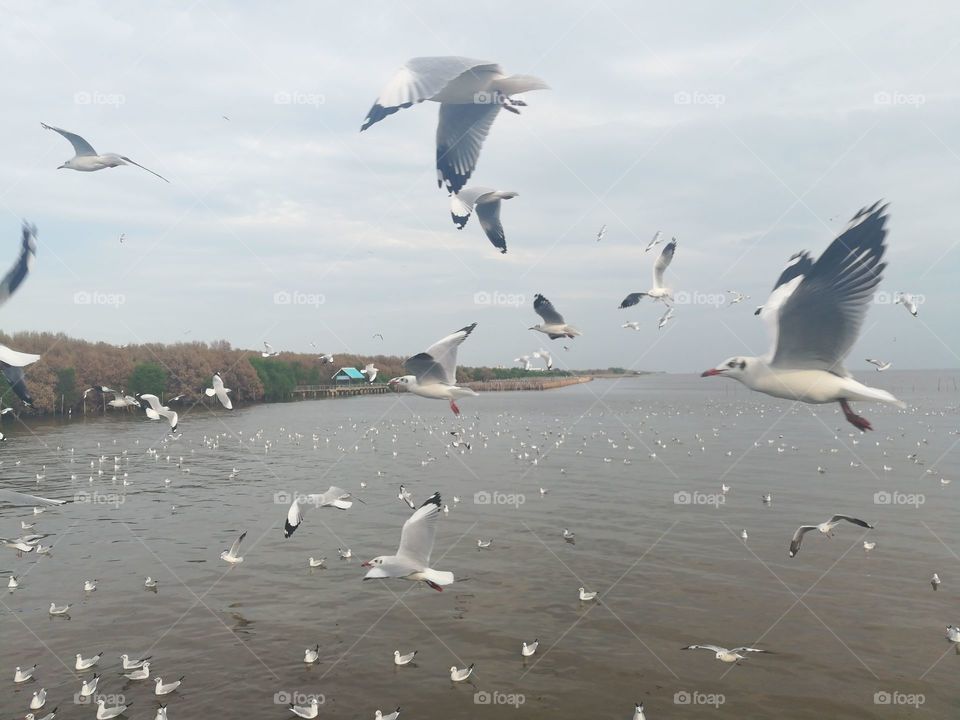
(316, 392)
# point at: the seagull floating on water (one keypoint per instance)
(528, 650)
(458, 675)
(399, 659)
(815, 313)
(161, 689)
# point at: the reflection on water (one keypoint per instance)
(634, 468)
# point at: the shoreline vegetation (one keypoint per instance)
(69, 366)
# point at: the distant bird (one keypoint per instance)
(122, 236)
(484, 544)
(309, 711)
(412, 559)
(63, 610)
(311, 655)
(334, 497)
(49, 716)
(268, 351)
(734, 655)
(585, 596)
(13, 583)
(371, 372)
(659, 291)
(825, 528)
(525, 361)
(471, 94)
(344, 553)
(545, 356)
(935, 581)
(657, 236)
(86, 159)
(633, 325)
(220, 391)
(155, 411)
(736, 297)
(89, 687)
(553, 325)
(459, 675)
(881, 365)
(434, 372)
(567, 534)
(667, 316)
(602, 233)
(378, 715)
(232, 555)
(953, 634)
(908, 301)
(486, 201)
(406, 497)
(528, 650)
(868, 546)
(743, 534)
(165, 689)
(815, 313)
(315, 563)
(149, 582)
(638, 712)
(399, 659)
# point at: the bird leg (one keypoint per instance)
(858, 421)
(453, 406)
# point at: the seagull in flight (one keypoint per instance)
(734, 655)
(232, 555)
(86, 159)
(486, 201)
(370, 371)
(268, 350)
(659, 291)
(471, 94)
(665, 319)
(657, 237)
(434, 372)
(602, 233)
(553, 325)
(814, 314)
(220, 391)
(908, 301)
(525, 361)
(334, 497)
(545, 356)
(412, 560)
(881, 365)
(825, 528)
(632, 325)
(155, 411)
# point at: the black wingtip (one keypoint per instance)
(432, 500)
(289, 529)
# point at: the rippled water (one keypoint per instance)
(844, 624)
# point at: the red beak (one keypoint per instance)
(711, 372)
(366, 564)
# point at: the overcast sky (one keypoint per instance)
(748, 130)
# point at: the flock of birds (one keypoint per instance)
(815, 312)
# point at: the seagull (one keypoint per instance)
(723, 655)
(736, 297)
(405, 495)
(54, 610)
(657, 236)
(161, 713)
(881, 365)
(568, 535)
(11, 361)
(370, 371)
(89, 687)
(316, 563)
(231, 555)
(157, 411)
(486, 201)
(602, 233)
(392, 716)
(13, 583)
(87, 663)
(584, 595)
(20, 676)
(220, 391)
(545, 356)
(311, 655)
(665, 319)
(525, 361)
(162, 689)
(815, 313)
(868, 546)
(460, 675)
(528, 650)
(484, 544)
(344, 553)
(412, 560)
(908, 301)
(553, 325)
(306, 711)
(638, 712)
(633, 325)
(105, 713)
(334, 497)
(39, 699)
(434, 372)
(935, 581)
(825, 528)
(129, 664)
(86, 159)
(49, 716)
(659, 291)
(268, 351)
(743, 534)
(470, 92)
(140, 673)
(953, 634)
(149, 582)
(399, 659)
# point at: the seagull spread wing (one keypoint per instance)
(416, 538)
(798, 265)
(80, 146)
(488, 213)
(439, 363)
(235, 548)
(154, 402)
(16, 359)
(544, 308)
(132, 162)
(663, 262)
(798, 538)
(855, 521)
(460, 135)
(15, 377)
(421, 79)
(461, 203)
(817, 323)
(711, 648)
(21, 268)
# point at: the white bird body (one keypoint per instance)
(334, 497)
(161, 689)
(89, 687)
(460, 675)
(140, 673)
(54, 610)
(155, 410)
(392, 716)
(399, 659)
(220, 391)
(86, 663)
(314, 563)
(585, 596)
(86, 159)
(23, 674)
(105, 713)
(528, 650)
(311, 655)
(129, 664)
(39, 699)
(306, 711)
(953, 633)
(553, 325)
(824, 528)
(658, 291)
(734, 655)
